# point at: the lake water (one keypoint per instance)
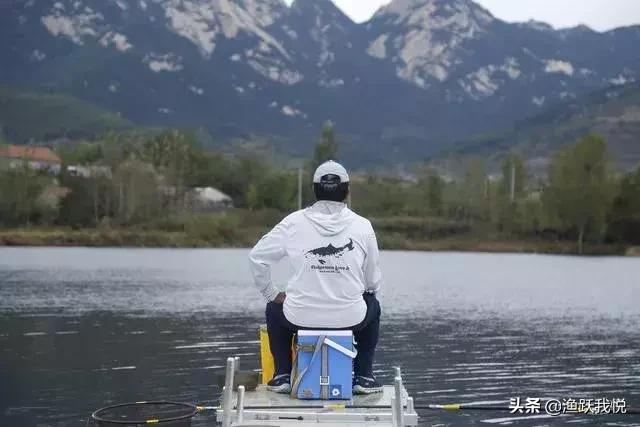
(84, 328)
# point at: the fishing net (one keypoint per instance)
(145, 413)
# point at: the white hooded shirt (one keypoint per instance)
(334, 259)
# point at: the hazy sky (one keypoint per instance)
(598, 14)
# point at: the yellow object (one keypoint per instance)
(266, 358)
(153, 421)
(336, 406)
(453, 407)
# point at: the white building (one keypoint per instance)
(209, 198)
(89, 171)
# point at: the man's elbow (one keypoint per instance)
(254, 257)
(375, 285)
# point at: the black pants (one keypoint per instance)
(366, 333)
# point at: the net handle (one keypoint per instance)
(194, 412)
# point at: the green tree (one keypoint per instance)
(435, 194)
(210, 169)
(326, 146)
(511, 190)
(514, 177)
(385, 196)
(529, 216)
(77, 209)
(474, 194)
(83, 153)
(280, 191)
(252, 198)
(171, 153)
(427, 195)
(247, 170)
(579, 193)
(20, 188)
(624, 218)
(137, 192)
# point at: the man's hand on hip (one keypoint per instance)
(279, 299)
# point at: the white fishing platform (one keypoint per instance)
(393, 407)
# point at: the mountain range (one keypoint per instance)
(613, 113)
(401, 87)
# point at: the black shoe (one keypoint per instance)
(366, 385)
(280, 384)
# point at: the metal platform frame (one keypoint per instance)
(393, 407)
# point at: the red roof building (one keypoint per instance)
(32, 154)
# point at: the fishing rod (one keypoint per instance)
(463, 407)
(452, 407)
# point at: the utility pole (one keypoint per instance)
(513, 182)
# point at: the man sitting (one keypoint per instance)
(333, 254)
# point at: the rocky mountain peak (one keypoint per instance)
(204, 22)
(424, 36)
(435, 13)
(319, 30)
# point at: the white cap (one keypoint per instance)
(330, 168)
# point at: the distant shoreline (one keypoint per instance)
(131, 238)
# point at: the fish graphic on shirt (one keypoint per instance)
(331, 251)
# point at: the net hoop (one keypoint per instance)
(193, 411)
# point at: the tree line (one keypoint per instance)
(141, 179)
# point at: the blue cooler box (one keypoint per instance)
(324, 365)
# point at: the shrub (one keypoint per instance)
(219, 228)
